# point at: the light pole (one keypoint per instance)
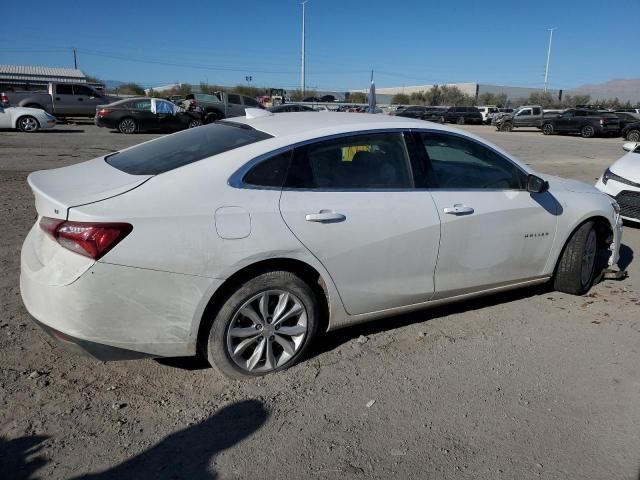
(302, 73)
(546, 68)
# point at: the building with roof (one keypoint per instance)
(29, 77)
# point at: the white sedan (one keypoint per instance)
(622, 182)
(247, 238)
(25, 119)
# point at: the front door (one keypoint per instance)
(493, 230)
(87, 100)
(351, 203)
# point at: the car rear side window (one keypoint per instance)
(182, 148)
(370, 161)
(270, 172)
(232, 98)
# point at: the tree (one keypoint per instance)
(487, 98)
(400, 99)
(455, 97)
(131, 89)
(416, 98)
(544, 99)
(357, 97)
(433, 95)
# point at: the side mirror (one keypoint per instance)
(630, 146)
(536, 184)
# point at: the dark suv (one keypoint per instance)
(587, 123)
(414, 111)
(462, 115)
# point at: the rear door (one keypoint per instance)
(142, 114)
(493, 230)
(64, 102)
(235, 108)
(351, 202)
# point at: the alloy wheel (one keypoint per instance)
(127, 126)
(267, 331)
(28, 124)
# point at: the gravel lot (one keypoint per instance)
(531, 384)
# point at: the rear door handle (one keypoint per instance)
(458, 209)
(325, 216)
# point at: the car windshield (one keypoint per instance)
(186, 147)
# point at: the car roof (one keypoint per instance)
(312, 125)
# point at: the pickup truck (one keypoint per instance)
(527, 116)
(587, 123)
(62, 99)
(224, 105)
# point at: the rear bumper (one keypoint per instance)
(113, 311)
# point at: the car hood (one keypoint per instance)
(628, 167)
(27, 110)
(565, 184)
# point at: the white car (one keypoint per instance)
(25, 119)
(247, 238)
(622, 182)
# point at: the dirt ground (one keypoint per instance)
(530, 384)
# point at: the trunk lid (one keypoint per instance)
(59, 189)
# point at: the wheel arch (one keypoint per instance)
(20, 117)
(305, 271)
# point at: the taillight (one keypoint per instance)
(90, 239)
(103, 112)
(4, 100)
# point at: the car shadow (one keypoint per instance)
(334, 339)
(192, 363)
(39, 132)
(197, 446)
(626, 257)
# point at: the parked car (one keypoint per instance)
(621, 181)
(434, 114)
(627, 118)
(630, 110)
(224, 105)
(25, 119)
(631, 132)
(290, 107)
(144, 114)
(588, 123)
(413, 111)
(62, 99)
(524, 117)
(487, 113)
(248, 238)
(462, 115)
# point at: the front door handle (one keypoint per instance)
(325, 216)
(458, 209)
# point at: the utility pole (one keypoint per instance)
(75, 59)
(302, 73)
(546, 68)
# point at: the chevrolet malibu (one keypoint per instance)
(245, 239)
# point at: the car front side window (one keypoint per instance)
(455, 162)
(370, 161)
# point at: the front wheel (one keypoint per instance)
(633, 136)
(576, 268)
(587, 131)
(265, 325)
(547, 129)
(127, 126)
(28, 124)
(461, 121)
(506, 127)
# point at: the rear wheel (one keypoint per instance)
(441, 119)
(547, 129)
(127, 126)
(576, 269)
(460, 120)
(28, 124)
(633, 136)
(265, 325)
(195, 122)
(587, 131)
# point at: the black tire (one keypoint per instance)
(460, 121)
(547, 129)
(127, 126)
(587, 131)
(441, 119)
(28, 124)
(194, 122)
(210, 117)
(633, 136)
(576, 268)
(506, 127)
(216, 345)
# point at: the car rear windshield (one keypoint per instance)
(186, 147)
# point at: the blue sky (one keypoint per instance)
(404, 42)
